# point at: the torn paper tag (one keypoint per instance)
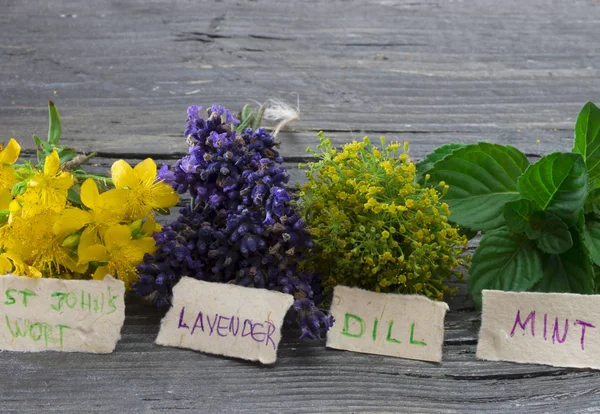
(560, 329)
(225, 319)
(61, 315)
(406, 326)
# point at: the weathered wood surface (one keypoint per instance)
(427, 71)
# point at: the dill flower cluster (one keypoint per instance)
(239, 226)
(55, 221)
(374, 226)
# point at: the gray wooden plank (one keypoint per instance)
(429, 72)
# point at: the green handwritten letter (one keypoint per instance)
(346, 329)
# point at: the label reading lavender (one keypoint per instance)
(225, 319)
(559, 329)
(406, 326)
(60, 315)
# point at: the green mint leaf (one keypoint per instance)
(555, 237)
(54, 128)
(587, 138)
(504, 261)
(558, 184)
(517, 214)
(430, 159)
(568, 272)
(482, 178)
(591, 235)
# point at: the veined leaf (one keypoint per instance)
(430, 159)
(558, 184)
(555, 237)
(54, 128)
(517, 214)
(587, 138)
(591, 237)
(482, 178)
(504, 261)
(568, 272)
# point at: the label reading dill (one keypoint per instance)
(405, 326)
(559, 329)
(60, 315)
(225, 319)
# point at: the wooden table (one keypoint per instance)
(426, 71)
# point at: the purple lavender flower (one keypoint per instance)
(241, 227)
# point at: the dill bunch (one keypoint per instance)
(374, 226)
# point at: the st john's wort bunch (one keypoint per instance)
(239, 226)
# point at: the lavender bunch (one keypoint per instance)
(239, 226)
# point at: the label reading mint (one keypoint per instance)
(559, 329)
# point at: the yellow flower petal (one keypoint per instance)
(89, 194)
(10, 154)
(71, 220)
(117, 236)
(163, 196)
(5, 265)
(145, 245)
(5, 198)
(123, 175)
(64, 181)
(149, 226)
(93, 253)
(100, 273)
(52, 164)
(146, 171)
(8, 176)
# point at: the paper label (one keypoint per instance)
(225, 319)
(406, 326)
(60, 315)
(560, 329)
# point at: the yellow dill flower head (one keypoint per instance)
(118, 254)
(138, 191)
(8, 156)
(379, 230)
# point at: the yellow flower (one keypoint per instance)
(103, 212)
(138, 191)
(5, 198)
(30, 240)
(47, 190)
(119, 255)
(8, 156)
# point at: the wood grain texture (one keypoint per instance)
(426, 71)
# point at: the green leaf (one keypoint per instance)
(54, 129)
(430, 159)
(482, 178)
(592, 203)
(4, 216)
(568, 272)
(43, 149)
(587, 138)
(257, 121)
(504, 261)
(19, 188)
(517, 214)
(555, 237)
(66, 154)
(591, 237)
(74, 197)
(558, 184)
